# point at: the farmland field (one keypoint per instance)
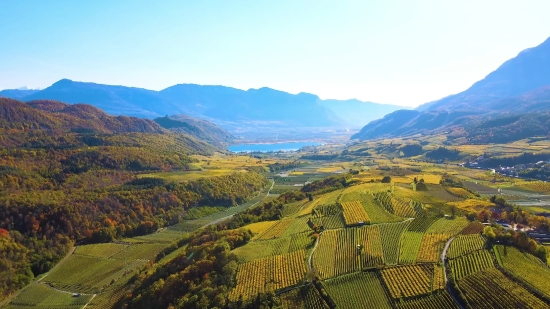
(407, 281)
(391, 235)
(472, 263)
(464, 244)
(410, 245)
(269, 274)
(372, 254)
(358, 290)
(431, 247)
(354, 213)
(491, 289)
(526, 267)
(41, 296)
(303, 298)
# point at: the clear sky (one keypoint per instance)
(404, 52)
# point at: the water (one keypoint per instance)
(289, 146)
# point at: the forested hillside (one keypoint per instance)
(69, 174)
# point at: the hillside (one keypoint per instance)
(219, 104)
(520, 85)
(197, 128)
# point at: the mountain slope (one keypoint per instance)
(197, 128)
(528, 71)
(16, 93)
(221, 105)
(520, 85)
(117, 100)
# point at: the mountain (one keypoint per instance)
(198, 128)
(17, 93)
(54, 115)
(221, 105)
(520, 85)
(355, 113)
(117, 100)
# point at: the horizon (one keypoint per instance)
(339, 51)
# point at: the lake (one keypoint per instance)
(289, 146)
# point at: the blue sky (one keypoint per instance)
(404, 52)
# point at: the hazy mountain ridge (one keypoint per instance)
(520, 85)
(198, 128)
(218, 104)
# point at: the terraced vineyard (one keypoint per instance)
(354, 213)
(358, 290)
(465, 244)
(41, 296)
(491, 289)
(410, 245)
(448, 226)
(526, 267)
(269, 274)
(431, 247)
(377, 213)
(407, 281)
(470, 264)
(441, 300)
(277, 230)
(303, 298)
(472, 228)
(391, 235)
(421, 223)
(371, 254)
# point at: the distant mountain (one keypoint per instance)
(16, 93)
(198, 128)
(355, 113)
(520, 85)
(217, 104)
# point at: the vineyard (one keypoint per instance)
(491, 289)
(269, 274)
(330, 222)
(421, 223)
(97, 274)
(371, 254)
(410, 245)
(536, 186)
(464, 244)
(431, 247)
(42, 296)
(303, 298)
(377, 213)
(354, 213)
(276, 230)
(391, 235)
(440, 300)
(448, 226)
(526, 267)
(336, 253)
(407, 281)
(358, 290)
(394, 205)
(438, 278)
(472, 263)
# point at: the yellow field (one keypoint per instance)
(431, 247)
(354, 213)
(269, 274)
(276, 230)
(328, 198)
(260, 227)
(472, 204)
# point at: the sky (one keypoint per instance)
(404, 52)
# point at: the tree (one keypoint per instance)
(386, 179)
(453, 211)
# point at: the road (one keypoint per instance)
(443, 260)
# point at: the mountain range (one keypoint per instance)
(218, 104)
(521, 85)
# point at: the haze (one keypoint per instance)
(398, 52)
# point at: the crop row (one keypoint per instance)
(354, 213)
(304, 298)
(491, 289)
(441, 300)
(407, 281)
(431, 247)
(526, 267)
(276, 230)
(464, 244)
(472, 228)
(469, 264)
(421, 223)
(358, 290)
(269, 274)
